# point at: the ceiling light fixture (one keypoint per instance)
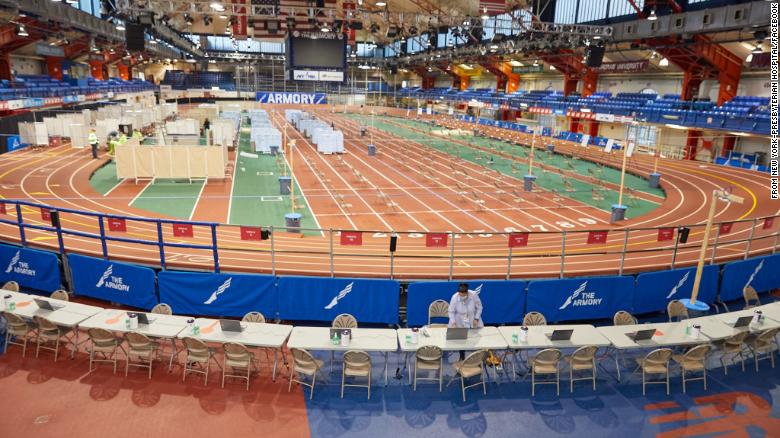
(217, 6)
(485, 15)
(652, 16)
(664, 62)
(21, 31)
(381, 3)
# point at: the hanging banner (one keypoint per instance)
(665, 234)
(322, 299)
(351, 238)
(585, 140)
(580, 298)
(117, 224)
(622, 67)
(518, 239)
(251, 233)
(182, 230)
(2, 208)
(190, 293)
(113, 281)
(436, 240)
(45, 214)
(502, 301)
(595, 237)
(725, 227)
(608, 147)
(39, 270)
(768, 222)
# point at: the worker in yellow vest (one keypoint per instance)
(93, 142)
(122, 138)
(112, 144)
(137, 135)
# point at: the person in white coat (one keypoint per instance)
(465, 310)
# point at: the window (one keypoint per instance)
(592, 10)
(619, 8)
(565, 11)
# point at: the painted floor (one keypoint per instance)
(569, 187)
(176, 198)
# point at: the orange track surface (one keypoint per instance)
(424, 184)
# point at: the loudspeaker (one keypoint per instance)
(393, 242)
(594, 56)
(55, 218)
(682, 234)
(134, 37)
(265, 234)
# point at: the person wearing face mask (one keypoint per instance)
(465, 310)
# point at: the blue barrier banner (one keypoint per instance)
(116, 282)
(39, 270)
(290, 97)
(212, 294)
(763, 273)
(502, 301)
(654, 290)
(322, 299)
(14, 143)
(580, 298)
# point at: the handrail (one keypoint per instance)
(559, 247)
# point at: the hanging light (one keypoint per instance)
(485, 15)
(21, 31)
(757, 50)
(552, 67)
(119, 26)
(652, 16)
(381, 3)
(536, 63)
(664, 62)
(324, 28)
(217, 6)
(749, 58)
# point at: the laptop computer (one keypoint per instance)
(742, 321)
(45, 305)
(560, 335)
(230, 325)
(143, 318)
(457, 333)
(641, 335)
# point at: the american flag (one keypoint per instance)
(283, 10)
(493, 6)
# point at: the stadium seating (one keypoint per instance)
(41, 86)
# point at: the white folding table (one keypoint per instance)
(67, 314)
(365, 339)
(539, 337)
(254, 334)
(160, 326)
(771, 310)
(485, 338)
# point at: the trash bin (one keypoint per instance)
(274, 150)
(293, 222)
(284, 185)
(550, 148)
(371, 150)
(655, 180)
(618, 213)
(362, 131)
(528, 182)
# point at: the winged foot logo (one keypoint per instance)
(678, 285)
(110, 281)
(344, 292)
(18, 266)
(219, 291)
(581, 298)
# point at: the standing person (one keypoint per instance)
(465, 310)
(137, 135)
(93, 142)
(206, 126)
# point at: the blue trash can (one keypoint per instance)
(618, 213)
(285, 183)
(293, 222)
(528, 182)
(371, 150)
(655, 180)
(550, 148)
(274, 150)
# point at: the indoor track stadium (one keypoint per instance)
(343, 218)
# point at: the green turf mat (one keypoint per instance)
(174, 198)
(255, 197)
(549, 180)
(104, 178)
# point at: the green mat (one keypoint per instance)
(255, 196)
(104, 179)
(175, 198)
(549, 180)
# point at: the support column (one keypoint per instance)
(574, 124)
(5, 66)
(54, 67)
(593, 129)
(692, 144)
(428, 82)
(589, 83)
(690, 85)
(501, 82)
(96, 70)
(463, 82)
(513, 84)
(569, 84)
(728, 145)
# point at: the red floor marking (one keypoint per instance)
(661, 405)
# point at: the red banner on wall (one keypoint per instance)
(182, 230)
(665, 234)
(251, 233)
(436, 240)
(239, 20)
(351, 238)
(518, 239)
(597, 237)
(45, 214)
(725, 227)
(117, 224)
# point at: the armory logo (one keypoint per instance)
(110, 281)
(296, 98)
(341, 295)
(18, 266)
(581, 298)
(678, 285)
(478, 290)
(219, 291)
